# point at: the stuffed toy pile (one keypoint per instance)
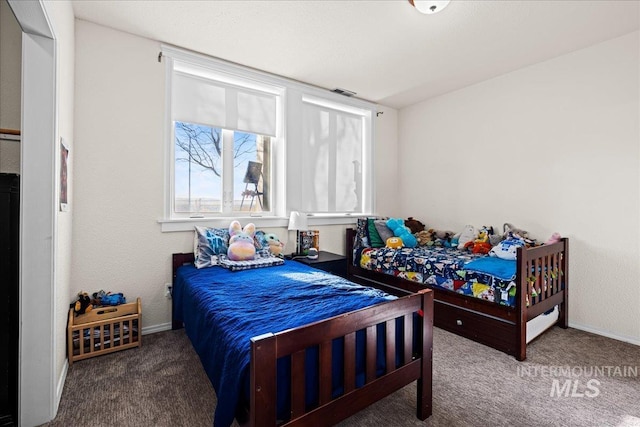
(403, 232)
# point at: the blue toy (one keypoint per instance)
(113, 299)
(400, 230)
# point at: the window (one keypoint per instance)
(242, 142)
(335, 140)
(199, 172)
(222, 130)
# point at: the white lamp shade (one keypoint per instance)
(429, 6)
(298, 221)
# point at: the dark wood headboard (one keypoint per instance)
(178, 260)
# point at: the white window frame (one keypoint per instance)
(286, 194)
(366, 116)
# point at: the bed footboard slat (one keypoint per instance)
(408, 338)
(349, 362)
(325, 372)
(297, 383)
(370, 353)
(390, 345)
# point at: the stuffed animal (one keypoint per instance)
(468, 234)
(400, 230)
(275, 245)
(394, 243)
(481, 244)
(507, 249)
(425, 237)
(555, 238)
(83, 304)
(494, 238)
(414, 225)
(442, 238)
(113, 299)
(96, 298)
(510, 232)
(241, 246)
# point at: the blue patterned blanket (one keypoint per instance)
(447, 268)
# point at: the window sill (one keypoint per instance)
(187, 224)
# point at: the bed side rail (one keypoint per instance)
(266, 349)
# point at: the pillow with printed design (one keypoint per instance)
(507, 249)
(208, 244)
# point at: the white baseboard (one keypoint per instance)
(604, 333)
(60, 387)
(156, 328)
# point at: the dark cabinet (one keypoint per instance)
(9, 240)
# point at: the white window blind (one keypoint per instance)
(197, 99)
(333, 140)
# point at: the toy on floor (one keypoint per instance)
(113, 299)
(96, 298)
(83, 304)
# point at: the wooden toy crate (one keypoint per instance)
(104, 330)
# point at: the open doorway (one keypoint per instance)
(36, 376)
(10, 119)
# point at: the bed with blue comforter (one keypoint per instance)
(222, 310)
(483, 298)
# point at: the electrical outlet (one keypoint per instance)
(167, 290)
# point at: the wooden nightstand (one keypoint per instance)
(329, 262)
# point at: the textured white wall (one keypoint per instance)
(386, 162)
(119, 157)
(10, 69)
(551, 147)
(119, 173)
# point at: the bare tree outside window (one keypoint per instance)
(198, 167)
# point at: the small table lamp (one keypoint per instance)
(298, 222)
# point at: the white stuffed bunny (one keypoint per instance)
(241, 246)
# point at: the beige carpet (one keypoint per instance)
(163, 384)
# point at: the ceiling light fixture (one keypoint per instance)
(429, 7)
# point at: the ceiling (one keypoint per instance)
(385, 51)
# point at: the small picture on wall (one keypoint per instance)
(64, 160)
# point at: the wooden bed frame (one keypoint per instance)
(501, 327)
(266, 349)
